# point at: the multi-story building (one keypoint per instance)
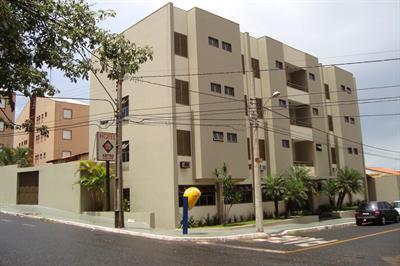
(68, 128)
(6, 116)
(187, 114)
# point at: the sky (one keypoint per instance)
(333, 31)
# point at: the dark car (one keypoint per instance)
(376, 212)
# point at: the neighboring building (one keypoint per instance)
(6, 114)
(383, 184)
(67, 121)
(179, 136)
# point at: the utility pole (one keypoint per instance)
(255, 166)
(118, 206)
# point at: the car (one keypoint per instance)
(396, 205)
(376, 212)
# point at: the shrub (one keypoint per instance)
(326, 208)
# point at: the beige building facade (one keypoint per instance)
(186, 115)
(6, 114)
(68, 127)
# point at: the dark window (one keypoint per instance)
(227, 46)
(246, 193)
(213, 42)
(182, 92)
(355, 151)
(330, 123)
(229, 91)
(333, 155)
(125, 151)
(352, 121)
(183, 140)
(343, 88)
(346, 119)
(181, 44)
(311, 76)
(243, 68)
(327, 95)
(315, 111)
(232, 137)
(278, 64)
(349, 150)
(318, 147)
(255, 67)
(348, 90)
(248, 149)
(125, 106)
(246, 111)
(285, 143)
(261, 148)
(282, 103)
(126, 195)
(260, 108)
(216, 87)
(207, 194)
(218, 136)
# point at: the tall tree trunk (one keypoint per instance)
(276, 202)
(350, 199)
(332, 200)
(220, 202)
(338, 200)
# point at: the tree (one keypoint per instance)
(20, 156)
(349, 181)
(296, 192)
(302, 173)
(228, 190)
(330, 188)
(274, 188)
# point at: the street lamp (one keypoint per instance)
(258, 209)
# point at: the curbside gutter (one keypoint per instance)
(316, 228)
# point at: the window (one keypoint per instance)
(348, 90)
(41, 156)
(246, 111)
(125, 106)
(355, 151)
(248, 149)
(1, 126)
(183, 140)
(125, 151)
(213, 42)
(232, 137)
(261, 149)
(285, 143)
(327, 94)
(333, 155)
(278, 64)
(218, 136)
(282, 103)
(44, 155)
(255, 67)
(315, 111)
(318, 147)
(352, 121)
(67, 114)
(349, 150)
(346, 119)
(227, 46)
(229, 91)
(330, 123)
(343, 87)
(207, 197)
(67, 134)
(246, 193)
(126, 196)
(2, 103)
(243, 68)
(182, 92)
(216, 87)
(181, 44)
(311, 76)
(45, 114)
(66, 154)
(260, 108)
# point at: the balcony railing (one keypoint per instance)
(297, 86)
(304, 163)
(300, 123)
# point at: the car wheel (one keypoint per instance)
(397, 219)
(383, 220)
(359, 223)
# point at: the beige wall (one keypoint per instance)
(385, 188)
(8, 184)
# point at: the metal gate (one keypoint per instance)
(28, 188)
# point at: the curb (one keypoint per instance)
(141, 234)
(316, 228)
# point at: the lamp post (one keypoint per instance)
(253, 119)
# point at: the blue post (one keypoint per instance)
(185, 215)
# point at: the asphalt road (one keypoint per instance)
(33, 242)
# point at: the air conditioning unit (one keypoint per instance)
(184, 164)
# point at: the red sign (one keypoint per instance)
(105, 146)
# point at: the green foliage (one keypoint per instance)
(127, 205)
(274, 187)
(349, 181)
(92, 175)
(296, 187)
(20, 156)
(330, 188)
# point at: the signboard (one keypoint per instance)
(105, 146)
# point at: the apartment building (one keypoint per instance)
(6, 114)
(67, 122)
(188, 114)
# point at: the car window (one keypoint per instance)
(368, 206)
(396, 204)
(388, 206)
(381, 205)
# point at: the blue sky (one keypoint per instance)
(336, 31)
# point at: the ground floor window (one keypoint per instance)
(246, 192)
(207, 197)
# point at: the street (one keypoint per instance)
(34, 242)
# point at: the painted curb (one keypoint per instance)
(316, 228)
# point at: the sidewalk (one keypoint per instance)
(141, 229)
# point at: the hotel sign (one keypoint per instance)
(105, 146)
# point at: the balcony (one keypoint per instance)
(300, 114)
(303, 154)
(296, 77)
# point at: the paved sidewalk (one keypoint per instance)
(142, 229)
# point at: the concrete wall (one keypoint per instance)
(386, 188)
(8, 184)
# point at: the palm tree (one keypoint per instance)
(330, 188)
(20, 156)
(349, 181)
(303, 174)
(274, 188)
(296, 192)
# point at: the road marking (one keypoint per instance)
(246, 248)
(6, 220)
(30, 225)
